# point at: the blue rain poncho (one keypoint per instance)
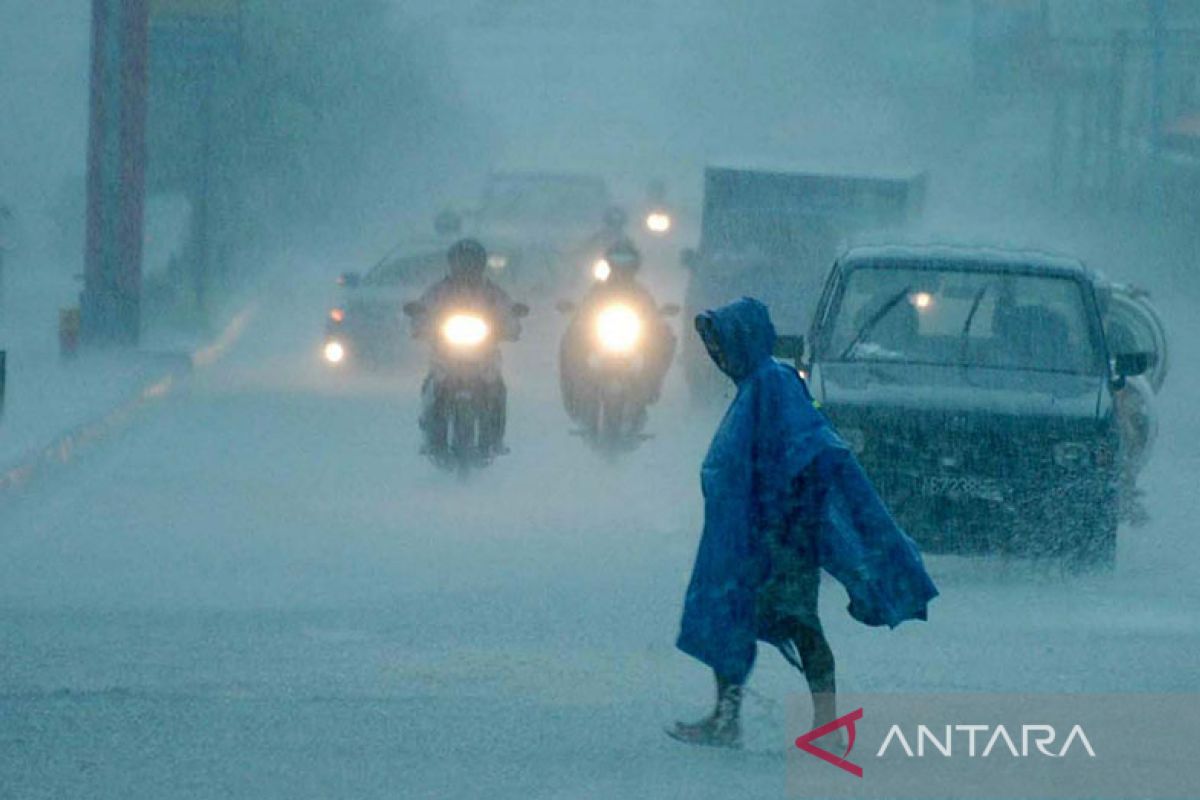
(769, 437)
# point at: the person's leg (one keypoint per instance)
(817, 659)
(433, 415)
(570, 356)
(497, 415)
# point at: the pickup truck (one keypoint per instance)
(983, 392)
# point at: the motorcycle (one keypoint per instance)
(464, 375)
(608, 396)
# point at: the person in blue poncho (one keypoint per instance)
(783, 498)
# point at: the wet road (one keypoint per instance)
(259, 589)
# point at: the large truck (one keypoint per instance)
(773, 235)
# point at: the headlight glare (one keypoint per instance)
(601, 270)
(334, 352)
(465, 330)
(619, 328)
(658, 222)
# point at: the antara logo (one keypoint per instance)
(979, 740)
(1040, 736)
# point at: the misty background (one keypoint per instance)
(353, 121)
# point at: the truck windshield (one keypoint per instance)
(957, 317)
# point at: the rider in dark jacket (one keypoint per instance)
(467, 287)
(620, 285)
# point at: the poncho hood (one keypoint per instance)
(745, 334)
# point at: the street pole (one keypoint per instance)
(111, 300)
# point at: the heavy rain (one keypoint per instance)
(380, 415)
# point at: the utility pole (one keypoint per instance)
(197, 45)
(111, 300)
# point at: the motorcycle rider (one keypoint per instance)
(611, 232)
(621, 285)
(466, 287)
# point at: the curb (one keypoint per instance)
(67, 446)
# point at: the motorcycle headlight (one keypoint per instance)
(1073, 455)
(618, 327)
(334, 352)
(465, 330)
(601, 270)
(658, 222)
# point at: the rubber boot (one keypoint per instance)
(721, 728)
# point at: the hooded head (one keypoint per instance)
(739, 336)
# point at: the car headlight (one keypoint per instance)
(1073, 455)
(855, 437)
(497, 261)
(601, 270)
(334, 352)
(465, 330)
(658, 222)
(619, 328)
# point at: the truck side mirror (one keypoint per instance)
(520, 310)
(413, 309)
(349, 279)
(1129, 365)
